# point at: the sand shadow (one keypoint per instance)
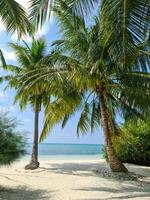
(22, 193)
(123, 192)
(122, 189)
(126, 189)
(90, 169)
(81, 169)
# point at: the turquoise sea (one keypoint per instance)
(67, 151)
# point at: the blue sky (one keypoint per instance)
(68, 135)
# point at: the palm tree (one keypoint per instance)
(29, 58)
(13, 16)
(92, 68)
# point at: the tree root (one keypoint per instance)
(33, 165)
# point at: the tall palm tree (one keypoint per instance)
(91, 67)
(29, 58)
(88, 56)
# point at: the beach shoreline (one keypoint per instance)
(70, 179)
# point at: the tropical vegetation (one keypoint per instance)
(132, 145)
(101, 70)
(12, 142)
(14, 17)
(92, 66)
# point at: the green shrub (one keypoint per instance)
(133, 144)
(12, 143)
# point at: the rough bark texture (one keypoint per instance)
(114, 162)
(34, 164)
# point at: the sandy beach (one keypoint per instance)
(71, 180)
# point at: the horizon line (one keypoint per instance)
(66, 143)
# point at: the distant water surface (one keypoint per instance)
(67, 151)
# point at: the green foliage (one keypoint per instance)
(12, 143)
(86, 56)
(2, 59)
(41, 10)
(82, 59)
(30, 59)
(14, 17)
(132, 145)
(127, 23)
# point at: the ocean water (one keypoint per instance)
(67, 151)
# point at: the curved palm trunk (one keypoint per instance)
(114, 162)
(34, 164)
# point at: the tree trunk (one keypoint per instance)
(114, 162)
(34, 164)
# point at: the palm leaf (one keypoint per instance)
(13, 16)
(3, 61)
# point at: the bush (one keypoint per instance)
(12, 143)
(133, 144)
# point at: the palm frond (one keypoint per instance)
(40, 11)
(124, 25)
(2, 59)
(13, 16)
(84, 121)
(61, 108)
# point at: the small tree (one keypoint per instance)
(12, 142)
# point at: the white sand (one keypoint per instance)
(70, 180)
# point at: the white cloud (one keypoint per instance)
(9, 55)
(2, 94)
(2, 27)
(26, 120)
(5, 109)
(24, 3)
(11, 108)
(44, 30)
(26, 38)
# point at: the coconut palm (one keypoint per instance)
(113, 84)
(91, 68)
(29, 58)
